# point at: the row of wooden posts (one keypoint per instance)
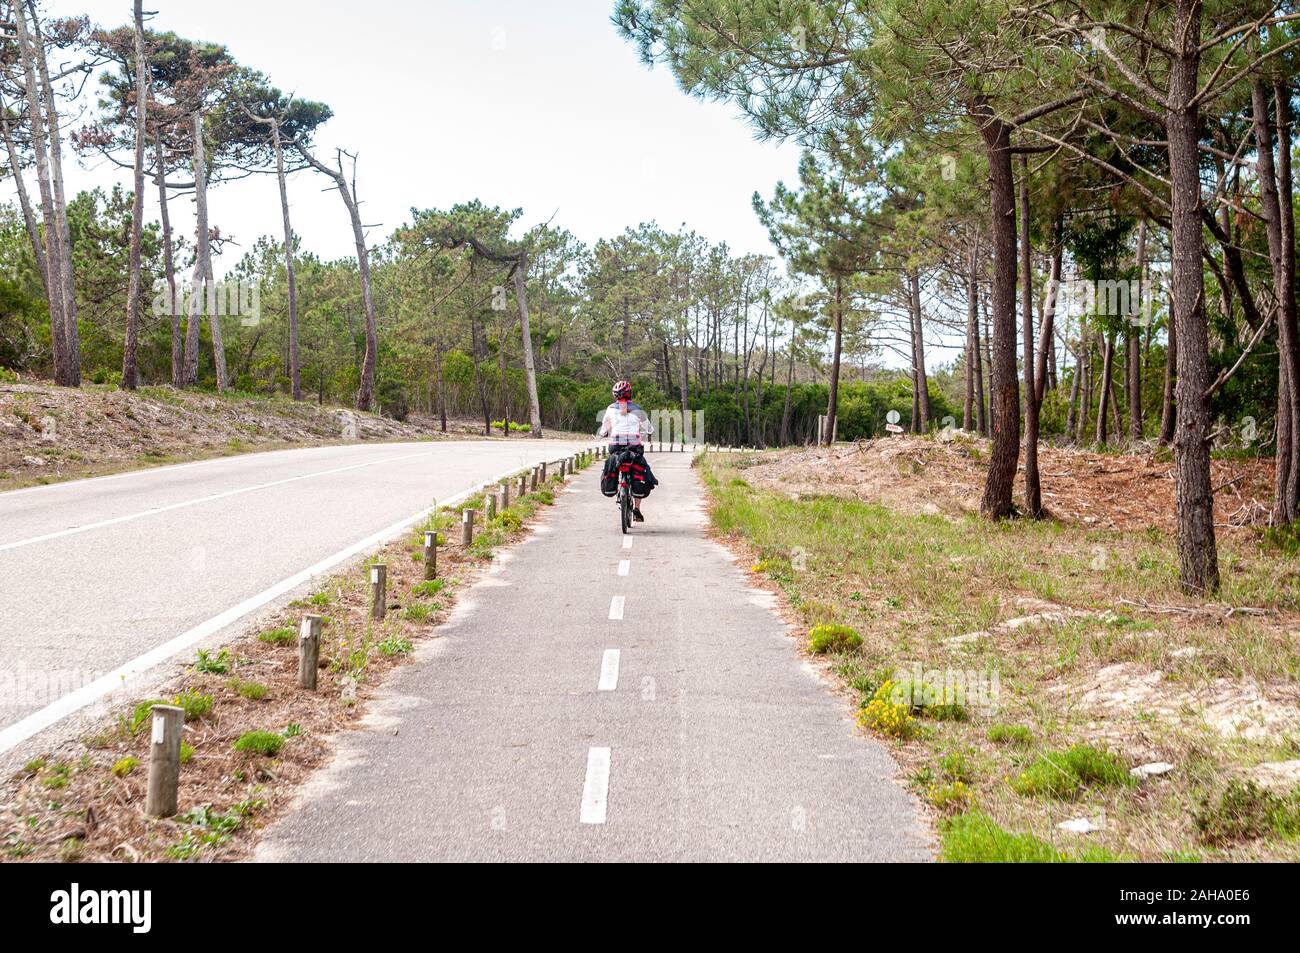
(169, 720)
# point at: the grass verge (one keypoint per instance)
(1048, 662)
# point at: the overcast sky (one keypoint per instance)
(519, 103)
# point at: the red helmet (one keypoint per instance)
(623, 391)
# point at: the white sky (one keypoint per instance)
(538, 105)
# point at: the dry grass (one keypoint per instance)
(72, 805)
(1083, 622)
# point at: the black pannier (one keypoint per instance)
(641, 484)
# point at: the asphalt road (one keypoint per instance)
(112, 576)
(594, 701)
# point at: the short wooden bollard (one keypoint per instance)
(466, 527)
(489, 507)
(164, 760)
(309, 651)
(543, 469)
(561, 469)
(523, 486)
(532, 480)
(505, 496)
(378, 590)
(430, 554)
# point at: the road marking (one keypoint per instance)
(627, 542)
(616, 607)
(624, 566)
(60, 708)
(608, 671)
(595, 790)
(87, 527)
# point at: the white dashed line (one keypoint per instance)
(608, 671)
(616, 607)
(595, 790)
(627, 542)
(624, 566)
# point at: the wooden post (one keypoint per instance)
(430, 554)
(309, 651)
(505, 495)
(532, 480)
(378, 590)
(561, 469)
(164, 760)
(467, 526)
(489, 507)
(543, 471)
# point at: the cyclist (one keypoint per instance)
(624, 423)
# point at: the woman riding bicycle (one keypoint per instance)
(624, 423)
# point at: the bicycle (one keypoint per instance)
(624, 496)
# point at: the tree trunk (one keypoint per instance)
(1282, 98)
(1288, 411)
(129, 365)
(832, 403)
(919, 380)
(1197, 550)
(72, 335)
(25, 203)
(200, 290)
(1131, 332)
(789, 387)
(1033, 484)
(1005, 390)
(66, 359)
(1103, 404)
(295, 367)
(347, 192)
(169, 265)
(525, 331)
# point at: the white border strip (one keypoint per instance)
(20, 731)
(616, 608)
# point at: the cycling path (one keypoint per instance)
(601, 697)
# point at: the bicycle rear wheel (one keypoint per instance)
(625, 509)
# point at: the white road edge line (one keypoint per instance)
(37, 721)
(616, 608)
(624, 566)
(608, 671)
(87, 527)
(595, 789)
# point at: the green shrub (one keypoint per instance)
(187, 752)
(430, 588)
(1001, 734)
(195, 704)
(1245, 811)
(140, 714)
(832, 638)
(1061, 774)
(260, 742)
(125, 766)
(285, 635)
(218, 664)
(953, 797)
(253, 691)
